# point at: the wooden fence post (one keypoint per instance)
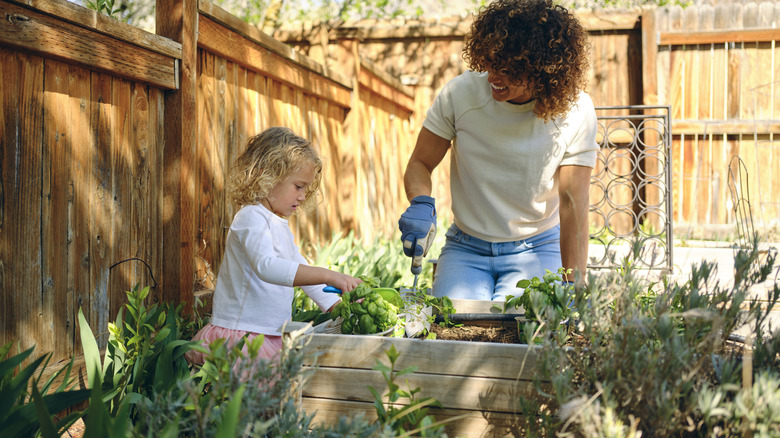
(353, 194)
(649, 58)
(178, 20)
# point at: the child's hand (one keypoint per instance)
(343, 281)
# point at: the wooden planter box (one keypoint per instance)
(476, 380)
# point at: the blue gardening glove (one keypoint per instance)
(418, 226)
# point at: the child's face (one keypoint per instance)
(290, 192)
(505, 90)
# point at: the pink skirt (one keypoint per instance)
(208, 334)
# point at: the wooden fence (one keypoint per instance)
(717, 66)
(116, 144)
(82, 166)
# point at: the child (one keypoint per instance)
(277, 175)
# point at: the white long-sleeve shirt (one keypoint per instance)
(505, 159)
(254, 290)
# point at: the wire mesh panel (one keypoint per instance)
(630, 213)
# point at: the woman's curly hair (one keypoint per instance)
(269, 158)
(536, 42)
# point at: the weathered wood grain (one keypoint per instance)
(238, 49)
(81, 16)
(120, 168)
(178, 20)
(57, 192)
(101, 206)
(20, 197)
(362, 352)
(467, 423)
(52, 37)
(79, 255)
(453, 392)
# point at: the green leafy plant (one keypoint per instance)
(404, 419)
(144, 353)
(540, 294)
(231, 394)
(382, 259)
(365, 311)
(108, 7)
(27, 404)
(238, 394)
(545, 301)
(304, 309)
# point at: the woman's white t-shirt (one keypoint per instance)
(505, 159)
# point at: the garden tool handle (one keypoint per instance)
(426, 245)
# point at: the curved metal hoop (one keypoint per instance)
(631, 210)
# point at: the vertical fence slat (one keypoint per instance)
(227, 102)
(56, 188)
(102, 215)
(80, 256)
(141, 193)
(8, 118)
(30, 127)
(215, 118)
(177, 20)
(704, 82)
(156, 196)
(119, 248)
(20, 209)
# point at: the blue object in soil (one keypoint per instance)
(331, 289)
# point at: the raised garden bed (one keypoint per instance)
(475, 380)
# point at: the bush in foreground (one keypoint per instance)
(639, 361)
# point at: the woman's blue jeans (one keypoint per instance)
(471, 268)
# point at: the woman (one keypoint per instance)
(521, 131)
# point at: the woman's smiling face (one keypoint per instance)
(505, 90)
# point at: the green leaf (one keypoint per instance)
(229, 424)
(523, 283)
(408, 370)
(47, 428)
(306, 316)
(91, 351)
(165, 373)
(23, 420)
(13, 388)
(392, 354)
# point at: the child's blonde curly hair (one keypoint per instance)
(269, 158)
(533, 41)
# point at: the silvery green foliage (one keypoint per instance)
(657, 359)
(264, 396)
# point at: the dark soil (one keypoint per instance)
(499, 335)
(505, 335)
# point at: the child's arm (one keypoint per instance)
(311, 275)
(314, 275)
